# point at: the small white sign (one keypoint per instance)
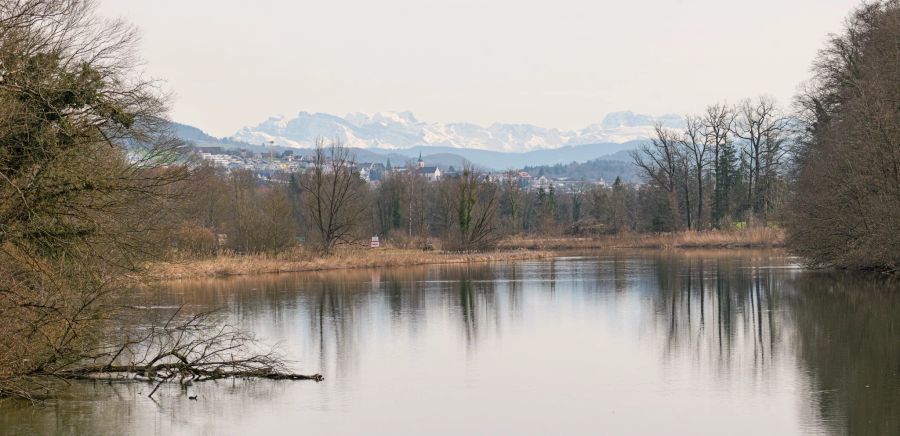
(375, 243)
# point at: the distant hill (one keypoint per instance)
(441, 156)
(200, 138)
(191, 133)
(506, 160)
(595, 169)
(624, 155)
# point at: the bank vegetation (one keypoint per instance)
(757, 237)
(846, 209)
(298, 260)
(88, 177)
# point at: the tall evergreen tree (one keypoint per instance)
(726, 177)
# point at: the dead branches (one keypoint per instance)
(184, 349)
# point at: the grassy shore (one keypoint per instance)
(510, 249)
(231, 264)
(746, 238)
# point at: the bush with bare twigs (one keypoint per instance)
(88, 171)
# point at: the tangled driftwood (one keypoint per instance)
(183, 349)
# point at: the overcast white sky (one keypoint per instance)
(554, 63)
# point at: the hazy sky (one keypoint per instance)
(554, 63)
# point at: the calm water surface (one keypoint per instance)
(616, 344)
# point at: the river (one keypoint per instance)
(630, 343)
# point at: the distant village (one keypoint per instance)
(267, 164)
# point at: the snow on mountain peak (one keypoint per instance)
(404, 130)
(628, 119)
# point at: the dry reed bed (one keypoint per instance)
(230, 265)
(745, 238)
(511, 249)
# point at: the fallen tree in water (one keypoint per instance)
(184, 349)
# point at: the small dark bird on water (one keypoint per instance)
(192, 397)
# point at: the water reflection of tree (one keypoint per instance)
(848, 329)
(742, 314)
(335, 311)
(620, 273)
(476, 302)
(719, 310)
(333, 318)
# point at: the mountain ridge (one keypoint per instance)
(377, 138)
(436, 155)
(402, 130)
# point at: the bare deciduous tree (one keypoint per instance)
(846, 209)
(334, 196)
(660, 163)
(762, 128)
(475, 205)
(717, 125)
(696, 147)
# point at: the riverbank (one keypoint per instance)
(509, 249)
(351, 258)
(712, 239)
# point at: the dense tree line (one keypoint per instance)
(329, 205)
(846, 211)
(728, 165)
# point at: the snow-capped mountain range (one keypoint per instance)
(400, 130)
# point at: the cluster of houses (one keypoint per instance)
(260, 163)
(375, 172)
(267, 164)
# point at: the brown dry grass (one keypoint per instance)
(233, 264)
(511, 249)
(746, 238)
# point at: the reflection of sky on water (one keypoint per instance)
(619, 344)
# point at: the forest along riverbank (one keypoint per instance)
(509, 249)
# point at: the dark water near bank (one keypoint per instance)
(604, 344)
